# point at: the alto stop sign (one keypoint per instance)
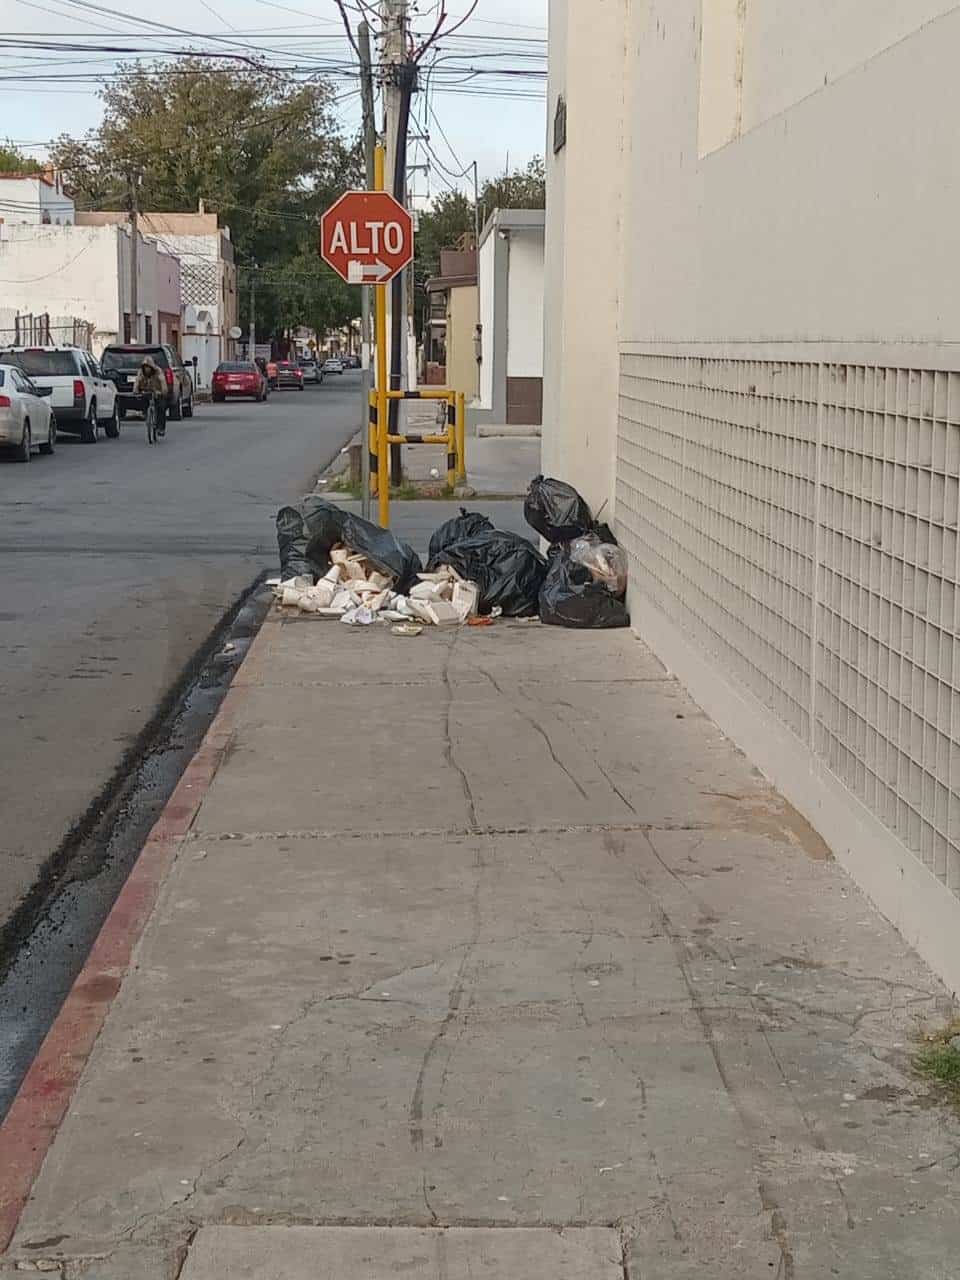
(367, 237)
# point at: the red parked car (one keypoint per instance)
(239, 378)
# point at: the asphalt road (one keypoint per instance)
(117, 560)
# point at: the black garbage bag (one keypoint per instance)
(507, 569)
(383, 550)
(556, 510)
(466, 525)
(571, 597)
(323, 522)
(307, 534)
(292, 542)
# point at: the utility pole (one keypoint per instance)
(366, 293)
(400, 84)
(253, 311)
(476, 252)
(134, 261)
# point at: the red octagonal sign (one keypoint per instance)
(367, 237)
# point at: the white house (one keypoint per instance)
(86, 272)
(753, 355)
(209, 299)
(511, 283)
(35, 199)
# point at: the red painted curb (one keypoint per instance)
(44, 1096)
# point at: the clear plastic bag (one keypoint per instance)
(606, 562)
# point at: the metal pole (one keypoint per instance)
(383, 453)
(461, 438)
(134, 262)
(253, 311)
(366, 377)
(400, 81)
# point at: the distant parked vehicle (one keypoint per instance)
(122, 361)
(333, 365)
(238, 378)
(289, 374)
(311, 370)
(27, 421)
(83, 399)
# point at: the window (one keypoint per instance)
(42, 364)
(127, 330)
(148, 328)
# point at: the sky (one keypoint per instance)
(495, 119)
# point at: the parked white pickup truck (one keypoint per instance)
(82, 399)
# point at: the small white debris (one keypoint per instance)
(609, 1168)
(849, 1097)
(594, 982)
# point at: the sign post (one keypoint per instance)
(367, 238)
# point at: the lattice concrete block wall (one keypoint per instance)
(798, 522)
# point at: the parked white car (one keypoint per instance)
(333, 365)
(82, 398)
(27, 421)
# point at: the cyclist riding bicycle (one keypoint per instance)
(150, 383)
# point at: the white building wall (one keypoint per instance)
(56, 206)
(788, 450)
(65, 270)
(26, 200)
(487, 293)
(583, 246)
(525, 305)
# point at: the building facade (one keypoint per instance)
(209, 302)
(511, 281)
(87, 272)
(752, 357)
(452, 317)
(35, 199)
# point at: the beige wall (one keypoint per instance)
(583, 245)
(776, 285)
(461, 352)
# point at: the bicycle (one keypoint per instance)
(150, 417)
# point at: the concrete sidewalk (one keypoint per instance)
(486, 954)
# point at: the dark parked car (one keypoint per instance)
(289, 374)
(121, 363)
(238, 378)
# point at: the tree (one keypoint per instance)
(257, 146)
(14, 161)
(522, 189)
(440, 228)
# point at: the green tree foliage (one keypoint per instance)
(440, 228)
(522, 189)
(14, 161)
(257, 146)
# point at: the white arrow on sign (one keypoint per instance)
(360, 272)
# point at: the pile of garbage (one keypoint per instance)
(337, 565)
(585, 584)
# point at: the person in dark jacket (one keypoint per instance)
(150, 383)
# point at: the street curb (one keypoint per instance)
(44, 1097)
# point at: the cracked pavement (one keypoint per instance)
(495, 930)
